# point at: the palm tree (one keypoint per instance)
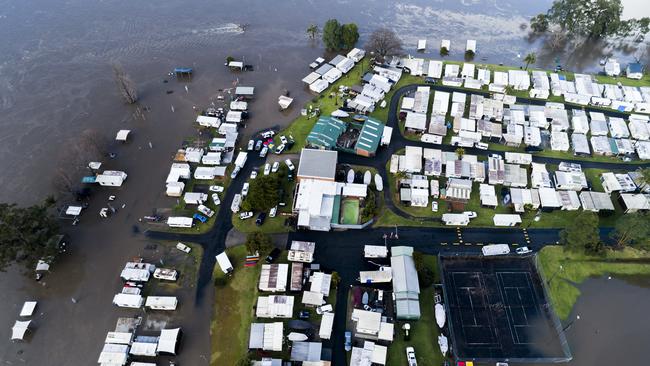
(460, 152)
(312, 31)
(400, 175)
(530, 58)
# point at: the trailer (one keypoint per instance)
(194, 198)
(165, 274)
(179, 221)
(111, 178)
(161, 302)
(452, 219)
(236, 202)
(241, 159)
(224, 263)
(119, 338)
(128, 301)
(495, 249)
(375, 251)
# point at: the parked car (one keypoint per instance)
(429, 80)
(205, 210)
(470, 214)
(290, 164)
(304, 315)
(244, 190)
(265, 150)
(410, 356)
(217, 189)
(273, 255)
(267, 169)
(251, 145)
(275, 167)
(273, 211)
(324, 309)
(280, 149)
(200, 217)
(268, 134)
(283, 140)
(258, 145)
(523, 250)
(246, 215)
(254, 174)
(215, 199)
(183, 248)
(260, 219)
(482, 145)
(235, 172)
(348, 341)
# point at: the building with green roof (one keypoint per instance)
(369, 138)
(326, 132)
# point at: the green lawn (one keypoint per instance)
(424, 332)
(577, 267)
(350, 212)
(233, 310)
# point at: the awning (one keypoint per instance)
(122, 135)
(19, 329)
(28, 308)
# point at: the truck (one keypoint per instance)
(495, 249)
(224, 263)
(241, 159)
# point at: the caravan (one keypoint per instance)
(161, 302)
(224, 263)
(179, 221)
(128, 301)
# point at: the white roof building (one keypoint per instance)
(519, 79)
(488, 195)
(266, 336)
(634, 202)
(440, 103)
(549, 198)
(580, 144)
(520, 197)
(518, 158)
(600, 145)
(596, 201)
(560, 141)
(370, 325)
(574, 181)
(539, 176)
(579, 123)
(639, 129)
(506, 219)
(618, 128)
(617, 182)
(434, 69)
(416, 121)
(370, 354)
(532, 136)
(326, 325)
(274, 306)
(320, 282)
(273, 277)
(312, 298)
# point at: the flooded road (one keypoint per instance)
(55, 81)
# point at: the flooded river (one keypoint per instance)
(55, 81)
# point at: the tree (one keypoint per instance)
(27, 234)
(645, 175)
(258, 242)
(125, 85)
(349, 35)
(312, 31)
(460, 152)
(263, 193)
(332, 34)
(370, 208)
(632, 229)
(581, 234)
(336, 279)
(399, 176)
(539, 23)
(384, 42)
(530, 58)
(244, 361)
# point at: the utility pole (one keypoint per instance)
(548, 283)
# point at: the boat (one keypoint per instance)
(379, 183)
(440, 315)
(296, 337)
(365, 298)
(340, 114)
(444, 345)
(351, 176)
(367, 177)
(360, 118)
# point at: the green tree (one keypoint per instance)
(530, 58)
(349, 35)
(263, 193)
(400, 175)
(581, 234)
(27, 234)
(370, 208)
(645, 175)
(460, 152)
(258, 242)
(632, 229)
(332, 35)
(539, 23)
(312, 31)
(244, 361)
(336, 279)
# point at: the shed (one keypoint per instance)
(28, 308)
(19, 330)
(245, 91)
(317, 164)
(326, 325)
(406, 286)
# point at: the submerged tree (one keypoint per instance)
(530, 58)
(332, 34)
(349, 35)
(384, 42)
(632, 229)
(312, 31)
(125, 85)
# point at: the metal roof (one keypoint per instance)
(370, 135)
(317, 164)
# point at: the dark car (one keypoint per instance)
(273, 255)
(429, 80)
(304, 314)
(260, 219)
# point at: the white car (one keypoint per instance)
(470, 214)
(324, 309)
(275, 167)
(217, 189)
(267, 169)
(268, 134)
(205, 210)
(235, 172)
(251, 145)
(290, 164)
(283, 139)
(523, 250)
(183, 248)
(280, 149)
(264, 151)
(254, 174)
(410, 356)
(273, 211)
(246, 215)
(482, 145)
(434, 206)
(244, 190)
(215, 199)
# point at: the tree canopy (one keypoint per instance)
(349, 35)
(530, 58)
(384, 42)
(258, 242)
(332, 34)
(592, 19)
(26, 234)
(312, 31)
(632, 229)
(582, 233)
(263, 193)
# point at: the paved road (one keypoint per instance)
(342, 251)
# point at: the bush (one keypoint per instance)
(220, 281)
(426, 277)
(258, 242)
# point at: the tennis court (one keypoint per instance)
(350, 212)
(498, 310)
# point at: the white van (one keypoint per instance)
(224, 263)
(204, 210)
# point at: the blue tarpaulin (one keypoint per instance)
(89, 179)
(183, 70)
